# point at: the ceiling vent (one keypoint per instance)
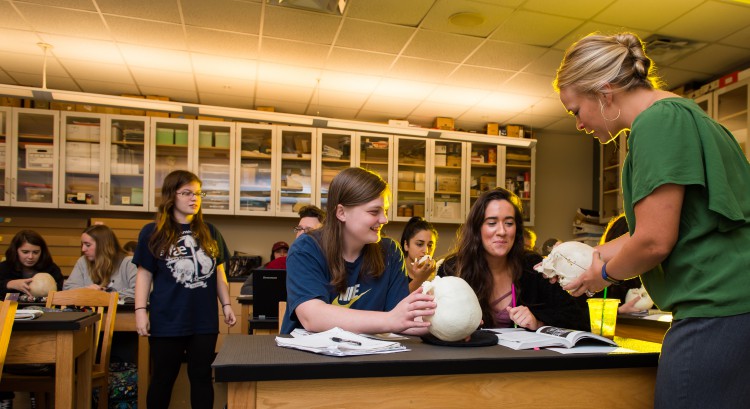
(666, 50)
(323, 6)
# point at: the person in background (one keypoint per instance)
(686, 195)
(345, 275)
(418, 239)
(548, 245)
(130, 246)
(529, 239)
(489, 254)
(279, 251)
(104, 265)
(26, 255)
(310, 218)
(183, 257)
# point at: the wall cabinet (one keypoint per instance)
(611, 158)
(34, 158)
(81, 160)
(730, 108)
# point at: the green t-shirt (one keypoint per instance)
(707, 274)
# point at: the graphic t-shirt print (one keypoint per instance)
(189, 264)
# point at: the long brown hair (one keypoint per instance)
(351, 187)
(471, 263)
(35, 239)
(168, 228)
(108, 255)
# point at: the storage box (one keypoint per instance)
(492, 128)
(2, 154)
(40, 156)
(181, 137)
(205, 139)
(86, 132)
(514, 131)
(78, 150)
(38, 194)
(419, 210)
(440, 159)
(447, 210)
(376, 154)
(164, 136)
(453, 161)
(448, 183)
(405, 185)
(221, 139)
(136, 196)
(444, 123)
(405, 176)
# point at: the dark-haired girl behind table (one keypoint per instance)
(418, 239)
(183, 257)
(345, 275)
(27, 254)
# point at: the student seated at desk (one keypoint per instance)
(344, 275)
(104, 265)
(419, 239)
(490, 256)
(27, 254)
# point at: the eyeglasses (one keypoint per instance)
(188, 194)
(298, 229)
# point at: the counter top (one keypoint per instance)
(245, 358)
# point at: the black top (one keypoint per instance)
(245, 358)
(57, 321)
(8, 272)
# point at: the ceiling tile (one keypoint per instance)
(222, 43)
(9, 18)
(108, 87)
(362, 62)
(435, 109)
(287, 106)
(30, 64)
(331, 98)
(225, 100)
(332, 111)
(300, 25)
(441, 46)
(456, 95)
(148, 77)
(713, 58)
(391, 106)
(298, 95)
(231, 87)
(565, 125)
(158, 58)
(529, 84)
(506, 102)
(6, 79)
(531, 28)
(293, 53)
(94, 71)
(675, 78)
(654, 15)
(345, 82)
(549, 107)
(180, 95)
(167, 11)
(57, 21)
(18, 41)
(69, 4)
(397, 88)
(228, 15)
(507, 56)
(591, 27)
(225, 67)
(407, 13)
(445, 16)
(288, 75)
(478, 77)
(547, 64)
(82, 49)
(710, 21)
(420, 69)
(533, 121)
(373, 36)
(147, 33)
(739, 39)
(584, 9)
(35, 80)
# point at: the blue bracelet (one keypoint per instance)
(608, 278)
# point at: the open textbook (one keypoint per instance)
(548, 336)
(337, 342)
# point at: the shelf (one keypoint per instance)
(372, 162)
(126, 143)
(612, 192)
(37, 170)
(483, 165)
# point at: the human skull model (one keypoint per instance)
(458, 313)
(567, 261)
(644, 303)
(41, 284)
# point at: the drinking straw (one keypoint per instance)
(513, 299)
(601, 324)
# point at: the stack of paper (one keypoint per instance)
(27, 314)
(337, 342)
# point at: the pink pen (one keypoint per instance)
(513, 299)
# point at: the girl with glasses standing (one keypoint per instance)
(183, 257)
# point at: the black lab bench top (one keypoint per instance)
(245, 358)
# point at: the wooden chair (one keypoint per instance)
(106, 305)
(7, 315)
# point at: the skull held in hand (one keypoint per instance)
(567, 261)
(42, 284)
(458, 313)
(644, 303)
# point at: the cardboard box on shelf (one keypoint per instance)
(109, 110)
(62, 106)
(453, 161)
(405, 185)
(418, 210)
(406, 176)
(441, 160)
(376, 154)
(85, 108)
(448, 183)
(514, 131)
(131, 111)
(40, 156)
(10, 102)
(444, 123)
(492, 128)
(266, 109)
(83, 131)
(398, 122)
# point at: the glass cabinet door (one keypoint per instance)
(446, 193)
(373, 152)
(409, 191)
(81, 151)
(484, 172)
(215, 165)
(126, 185)
(335, 149)
(519, 163)
(732, 111)
(170, 147)
(35, 158)
(255, 170)
(296, 169)
(5, 150)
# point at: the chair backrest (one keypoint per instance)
(103, 303)
(282, 312)
(7, 315)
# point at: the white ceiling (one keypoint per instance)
(383, 59)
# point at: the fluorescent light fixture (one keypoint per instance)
(96, 99)
(373, 127)
(15, 91)
(497, 140)
(325, 6)
(255, 115)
